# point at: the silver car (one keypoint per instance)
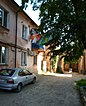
(15, 78)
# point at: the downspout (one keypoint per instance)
(16, 38)
(21, 7)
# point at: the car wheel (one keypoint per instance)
(34, 80)
(19, 87)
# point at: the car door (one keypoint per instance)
(29, 76)
(23, 77)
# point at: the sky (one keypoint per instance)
(34, 15)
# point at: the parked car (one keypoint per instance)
(15, 78)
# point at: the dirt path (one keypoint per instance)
(47, 91)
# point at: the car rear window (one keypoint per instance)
(6, 72)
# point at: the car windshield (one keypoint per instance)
(6, 72)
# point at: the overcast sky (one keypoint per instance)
(33, 14)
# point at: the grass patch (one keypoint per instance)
(81, 86)
(81, 82)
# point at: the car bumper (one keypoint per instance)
(8, 87)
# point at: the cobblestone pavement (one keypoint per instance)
(47, 91)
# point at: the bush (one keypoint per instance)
(81, 82)
(81, 86)
(59, 70)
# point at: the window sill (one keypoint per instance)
(3, 29)
(3, 64)
(24, 38)
(24, 65)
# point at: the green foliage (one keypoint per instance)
(81, 82)
(53, 61)
(63, 22)
(72, 62)
(59, 70)
(24, 5)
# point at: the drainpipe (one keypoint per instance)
(16, 38)
(21, 7)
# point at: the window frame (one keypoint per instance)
(3, 17)
(24, 32)
(5, 54)
(24, 72)
(35, 60)
(7, 72)
(23, 58)
(21, 73)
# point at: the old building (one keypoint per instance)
(15, 43)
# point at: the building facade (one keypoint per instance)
(15, 43)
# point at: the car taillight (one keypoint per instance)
(10, 81)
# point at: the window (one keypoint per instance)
(3, 55)
(24, 72)
(24, 32)
(3, 17)
(35, 60)
(21, 73)
(23, 59)
(6, 72)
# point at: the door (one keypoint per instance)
(28, 76)
(22, 77)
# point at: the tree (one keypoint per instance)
(63, 22)
(24, 5)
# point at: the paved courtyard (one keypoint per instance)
(49, 90)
